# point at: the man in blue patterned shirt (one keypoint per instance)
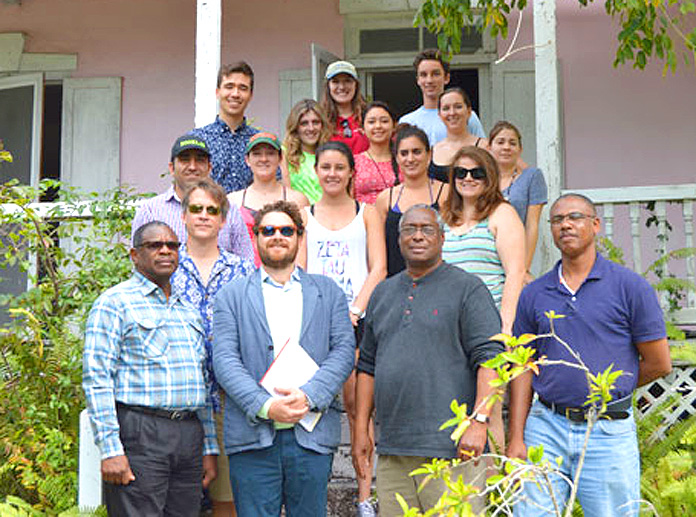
(145, 383)
(228, 136)
(203, 269)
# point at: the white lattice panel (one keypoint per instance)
(681, 381)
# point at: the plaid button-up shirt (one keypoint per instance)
(142, 349)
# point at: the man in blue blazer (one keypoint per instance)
(274, 460)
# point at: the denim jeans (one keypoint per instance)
(610, 477)
(284, 474)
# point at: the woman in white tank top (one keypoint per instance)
(344, 240)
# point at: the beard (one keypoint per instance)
(274, 261)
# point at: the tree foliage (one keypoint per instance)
(650, 29)
(69, 263)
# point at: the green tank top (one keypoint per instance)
(304, 179)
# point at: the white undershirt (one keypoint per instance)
(283, 303)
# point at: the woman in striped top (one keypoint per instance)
(483, 233)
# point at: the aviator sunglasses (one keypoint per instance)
(477, 173)
(197, 209)
(347, 131)
(269, 231)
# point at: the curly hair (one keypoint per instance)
(487, 201)
(292, 142)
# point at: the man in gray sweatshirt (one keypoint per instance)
(427, 333)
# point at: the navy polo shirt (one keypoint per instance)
(613, 310)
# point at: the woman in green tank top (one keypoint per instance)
(305, 130)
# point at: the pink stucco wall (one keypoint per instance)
(151, 45)
(621, 126)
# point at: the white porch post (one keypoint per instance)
(548, 127)
(208, 29)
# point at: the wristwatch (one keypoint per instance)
(481, 419)
(356, 312)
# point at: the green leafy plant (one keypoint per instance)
(650, 29)
(668, 461)
(71, 254)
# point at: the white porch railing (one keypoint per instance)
(624, 218)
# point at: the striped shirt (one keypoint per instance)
(142, 349)
(167, 208)
(201, 295)
(475, 252)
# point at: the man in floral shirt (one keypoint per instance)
(203, 269)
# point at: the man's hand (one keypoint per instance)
(473, 441)
(209, 469)
(517, 449)
(290, 408)
(116, 470)
(361, 450)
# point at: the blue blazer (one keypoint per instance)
(243, 351)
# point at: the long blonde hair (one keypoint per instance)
(292, 142)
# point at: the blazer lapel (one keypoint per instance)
(310, 301)
(256, 301)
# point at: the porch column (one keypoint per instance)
(208, 29)
(548, 127)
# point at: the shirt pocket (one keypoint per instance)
(150, 338)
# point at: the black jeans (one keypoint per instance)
(166, 457)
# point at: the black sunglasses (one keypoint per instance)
(157, 245)
(477, 173)
(347, 131)
(197, 209)
(269, 231)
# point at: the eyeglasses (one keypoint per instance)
(573, 217)
(157, 245)
(197, 209)
(410, 230)
(477, 173)
(347, 131)
(269, 231)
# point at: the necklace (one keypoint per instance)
(506, 190)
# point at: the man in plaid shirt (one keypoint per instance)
(146, 387)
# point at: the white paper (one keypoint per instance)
(293, 367)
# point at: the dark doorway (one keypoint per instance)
(400, 91)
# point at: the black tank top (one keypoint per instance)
(395, 262)
(441, 172)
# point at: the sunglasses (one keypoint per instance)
(477, 173)
(157, 245)
(269, 231)
(347, 131)
(197, 209)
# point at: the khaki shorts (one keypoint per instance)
(393, 476)
(221, 490)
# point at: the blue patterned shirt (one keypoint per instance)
(233, 237)
(187, 280)
(227, 151)
(142, 349)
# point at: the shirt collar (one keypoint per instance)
(170, 194)
(266, 278)
(145, 285)
(222, 125)
(599, 269)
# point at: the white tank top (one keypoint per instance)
(339, 254)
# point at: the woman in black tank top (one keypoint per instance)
(454, 108)
(412, 155)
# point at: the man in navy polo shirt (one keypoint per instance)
(612, 317)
